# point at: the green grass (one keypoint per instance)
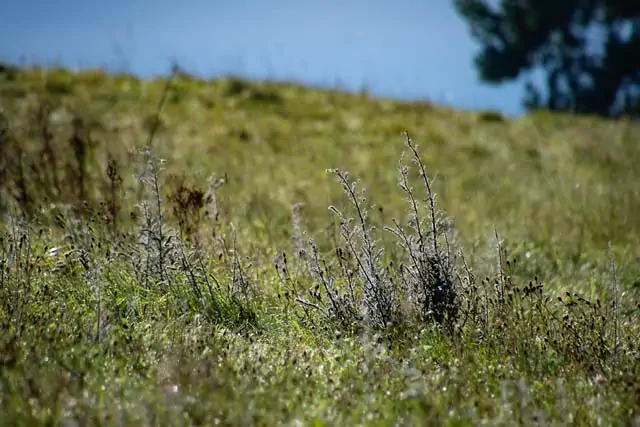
(175, 280)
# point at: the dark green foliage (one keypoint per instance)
(565, 39)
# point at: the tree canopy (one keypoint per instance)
(589, 51)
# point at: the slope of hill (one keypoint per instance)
(103, 324)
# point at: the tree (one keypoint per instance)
(589, 51)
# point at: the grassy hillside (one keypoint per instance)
(157, 268)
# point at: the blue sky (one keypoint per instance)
(405, 49)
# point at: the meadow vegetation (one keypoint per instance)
(180, 251)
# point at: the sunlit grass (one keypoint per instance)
(171, 281)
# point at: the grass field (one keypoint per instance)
(189, 252)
